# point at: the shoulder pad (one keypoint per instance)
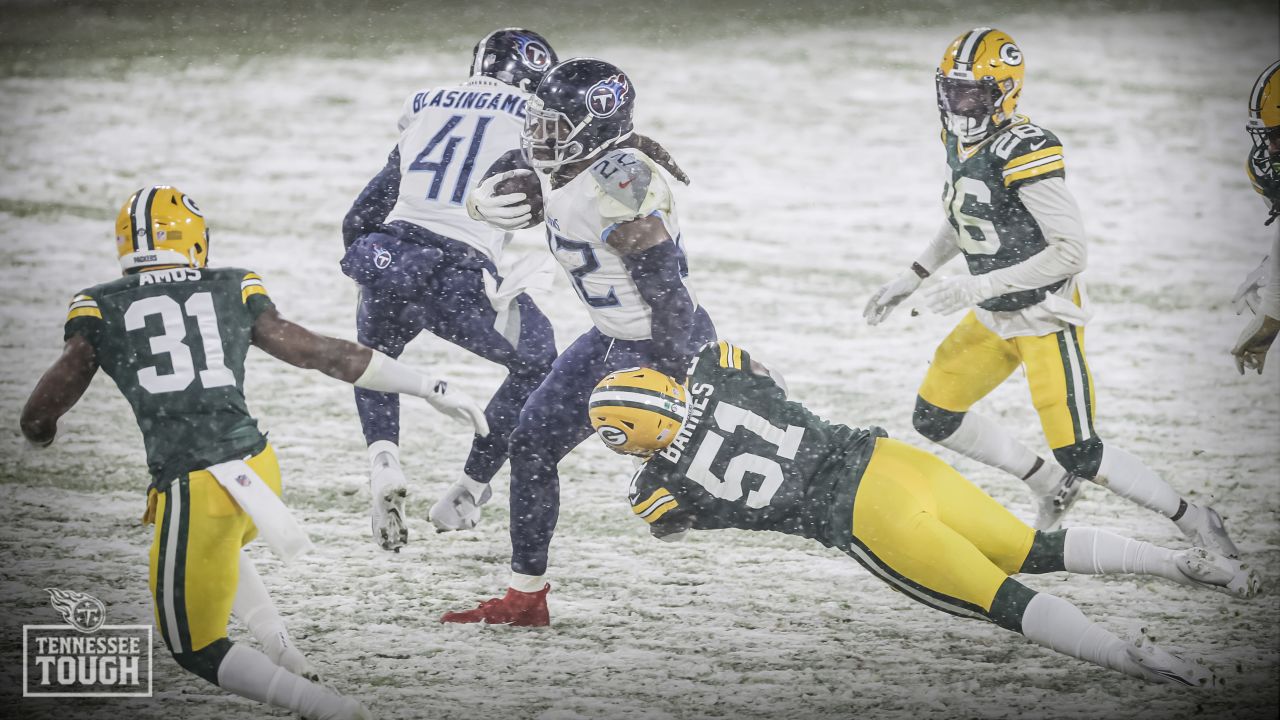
(625, 176)
(412, 104)
(1020, 139)
(1028, 152)
(83, 305)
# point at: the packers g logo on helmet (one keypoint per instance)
(160, 225)
(637, 411)
(979, 81)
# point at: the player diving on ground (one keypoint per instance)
(173, 334)
(727, 449)
(1009, 212)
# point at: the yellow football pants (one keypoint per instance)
(195, 556)
(972, 361)
(922, 527)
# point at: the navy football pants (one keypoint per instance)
(448, 300)
(553, 422)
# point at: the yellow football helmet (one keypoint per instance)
(1264, 127)
(161, 225)
(979, 81)
(637, 411)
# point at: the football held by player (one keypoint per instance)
(173, 334)
(611, 223)
(1009, 213)
(728, 449)
(423, 264)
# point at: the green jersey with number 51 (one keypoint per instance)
(175, 341)
(993, 228)
(748, 458)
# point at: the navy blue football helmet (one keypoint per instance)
(515, 56)
(582, 107)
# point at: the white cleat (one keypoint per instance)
(387, 489)
(1053, 506)
(1208, 569)
(1161, 666)
(459, 508)
(1203, 527)
(281, 650)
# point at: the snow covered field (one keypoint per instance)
(816, 166)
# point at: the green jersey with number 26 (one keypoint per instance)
(748, 458)
(175, 341)
(993, 228)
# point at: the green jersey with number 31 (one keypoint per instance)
(175, 342)
(993, 228)
(748, 458)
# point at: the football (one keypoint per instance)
(531, 187)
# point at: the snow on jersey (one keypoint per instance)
(623, 185)
(448, 136)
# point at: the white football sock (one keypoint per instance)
(527, 583)
(379, 447)
(475, 487)
(248, 673)
(1126, 476)
(1060, 626)
(253, 606)
(987, 442)
(1097, 552)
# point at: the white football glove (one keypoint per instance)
(506, 212)
(458, 405)
(888, 297)
(949, 295)
(1248, 295)
(1255, 340)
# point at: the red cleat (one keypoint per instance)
(521, 609)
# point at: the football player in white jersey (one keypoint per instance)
(1009, 212)
(1260, 292)
(611, 223)
(423, 264)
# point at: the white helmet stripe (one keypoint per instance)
(141, 212)
(478, 61)
(608, 397)
(1255, 98)
(969, 48)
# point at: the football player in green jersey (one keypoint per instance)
(1260, 292)
(1008, 211)
(727, 449)
(173, 334)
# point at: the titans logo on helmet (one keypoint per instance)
(605, 97)
(533, 53)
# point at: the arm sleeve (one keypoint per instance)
(1055, 210)
(1271, 293)
(656, 272)
(254, 295)
(374, 202)
(941, 248)
(658, 507)
(84, 318)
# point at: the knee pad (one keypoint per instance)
(933, 422)
(205, 661)
(1082, 458)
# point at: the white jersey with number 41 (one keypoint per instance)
(448, 137)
